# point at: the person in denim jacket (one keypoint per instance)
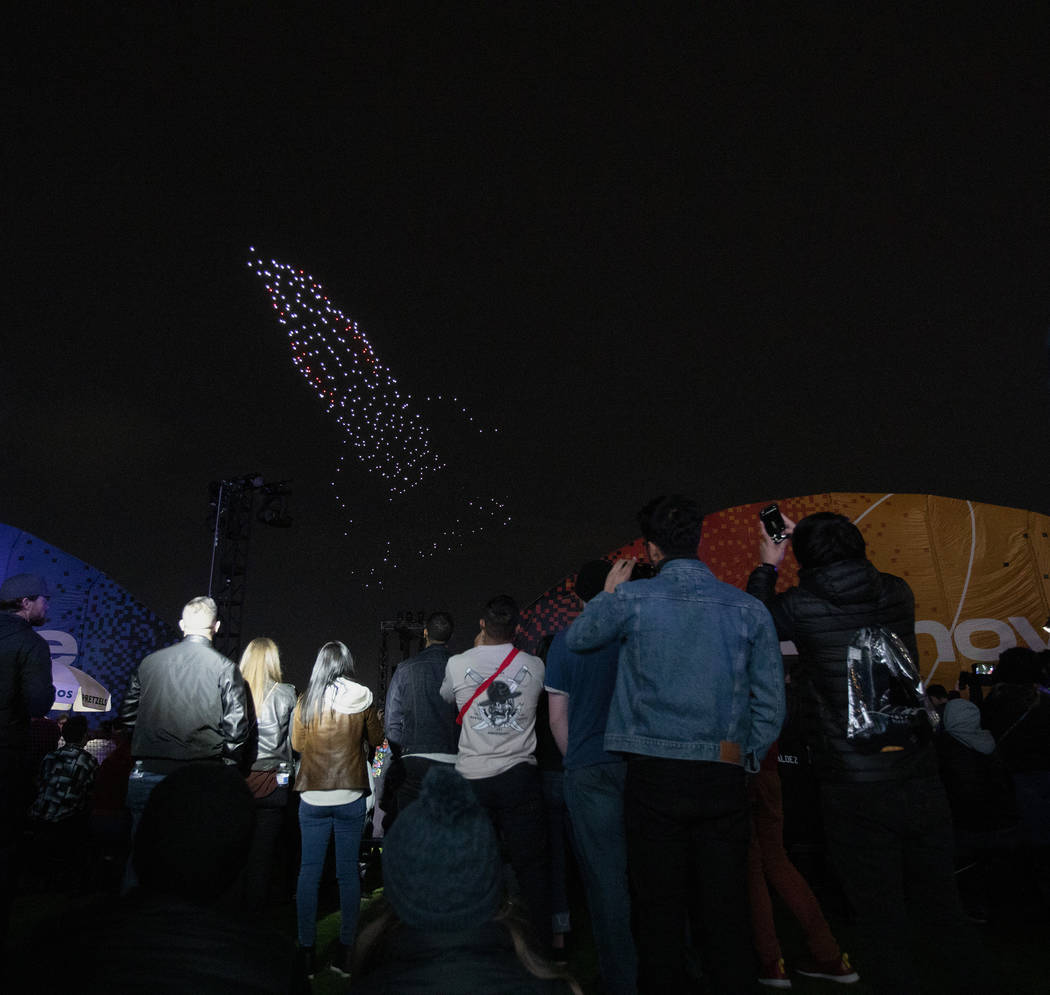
(699, 699)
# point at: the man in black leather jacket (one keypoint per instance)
(886, 815)
(184, 704)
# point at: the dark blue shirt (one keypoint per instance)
(588, 679)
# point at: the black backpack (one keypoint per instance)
(888, 710)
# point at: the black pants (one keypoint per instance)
(265, 856)
(514, 800)
(892, 846)
(688, 826)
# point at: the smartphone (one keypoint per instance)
(983, 669)
(774, 523)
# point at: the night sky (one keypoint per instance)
(750, 254)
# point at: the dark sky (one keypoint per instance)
(747, 255)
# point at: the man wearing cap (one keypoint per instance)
(26, 692)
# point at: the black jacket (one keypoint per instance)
(417, 718)
(274, 721)
(980, 790)
(186, 702)
(1018, 716)
(820, 617)
(26, 690)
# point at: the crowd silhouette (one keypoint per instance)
(628, 770)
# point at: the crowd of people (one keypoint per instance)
(660, 707)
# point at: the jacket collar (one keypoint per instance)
(671, 559)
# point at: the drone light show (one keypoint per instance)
(383, 425)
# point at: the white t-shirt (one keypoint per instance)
(499, 728)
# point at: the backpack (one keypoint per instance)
(887, 706)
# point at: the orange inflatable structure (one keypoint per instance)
(980, 572)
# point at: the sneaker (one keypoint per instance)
(774, 975)
(340, 958)
(839, 969)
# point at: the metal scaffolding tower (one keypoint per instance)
(235, 504)
(407, 629)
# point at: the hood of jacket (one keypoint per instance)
(347, 697)
(13, 626)
(848, 582)
(962, 720)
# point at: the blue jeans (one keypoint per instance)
(317, 823)
(139, 790)
(594, 797)
(557, 831)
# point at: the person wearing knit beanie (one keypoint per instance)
(442, 925)
(441, 859)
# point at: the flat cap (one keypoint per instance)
(23, 586)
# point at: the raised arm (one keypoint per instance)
(604, 615)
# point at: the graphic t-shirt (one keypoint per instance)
(499, 728)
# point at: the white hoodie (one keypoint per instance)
(348, 698)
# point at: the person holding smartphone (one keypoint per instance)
(886, 816)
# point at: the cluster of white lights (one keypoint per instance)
(446, 541)
(362, 395)
(382, 427)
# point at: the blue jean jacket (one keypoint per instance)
(700, 674)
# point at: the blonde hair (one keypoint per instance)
(261, 667)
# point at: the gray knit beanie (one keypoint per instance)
(441, 859)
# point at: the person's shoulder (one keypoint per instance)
(163, 654)
(891, 582)
(285, 692)
(732, 595)
(474, 653)
(12, 623)
(460, 659)
(529, 658)
(558, 653)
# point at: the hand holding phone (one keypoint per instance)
(775, 526)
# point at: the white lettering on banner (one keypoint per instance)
(964, 633)
(1027, 632)
(63, 646)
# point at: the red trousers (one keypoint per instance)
(768, 865)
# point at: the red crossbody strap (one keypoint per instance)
(483, 686)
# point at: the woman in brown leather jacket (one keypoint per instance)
(334, 723)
